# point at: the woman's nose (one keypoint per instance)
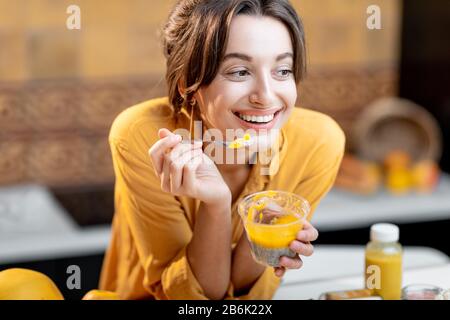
(263, 94)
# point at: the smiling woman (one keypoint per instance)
(233, 65)
(255, 85)
(197, 43)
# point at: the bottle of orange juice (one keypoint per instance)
(383, 271)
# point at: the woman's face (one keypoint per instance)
(255, 87)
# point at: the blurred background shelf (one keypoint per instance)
(424, 219)
(31, 208)
(341, 210)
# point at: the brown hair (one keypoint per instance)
(196, 33)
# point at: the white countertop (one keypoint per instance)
(54, 245)
(31, 209)
(331, 261)
(434, 275)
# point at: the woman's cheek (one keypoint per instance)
(293, 93)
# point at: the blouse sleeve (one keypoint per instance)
(263, 289)
(159, 227)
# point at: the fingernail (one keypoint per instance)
(178, 137)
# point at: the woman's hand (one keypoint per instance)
(184, 170)
(302, 246)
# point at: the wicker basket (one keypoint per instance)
(397, 124)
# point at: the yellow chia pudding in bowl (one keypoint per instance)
(272, 220)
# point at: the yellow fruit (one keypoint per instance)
(398, 181)
(426, 175)
(240, 142)
(101, 295)
(23, 284)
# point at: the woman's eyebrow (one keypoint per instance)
(285, 55)
(245, 57)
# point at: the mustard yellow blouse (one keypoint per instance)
(146, 258)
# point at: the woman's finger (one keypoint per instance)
(165, 176)
(181, 148)
(279, 271)
(308, 233)
(303, 249)
(163, 132)
(189, 171)
(291, 263)
(168, 165)
(176, 168)
(159, 148)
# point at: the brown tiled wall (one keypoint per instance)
(61, 89)
(56, 132)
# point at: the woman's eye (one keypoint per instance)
(239, 73)
(285, 73)
(242, 74)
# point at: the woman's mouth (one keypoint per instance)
(254, 121)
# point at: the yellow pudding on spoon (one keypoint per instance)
(241, 142)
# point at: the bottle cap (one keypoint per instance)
(384, 232)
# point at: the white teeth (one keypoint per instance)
(261, 119)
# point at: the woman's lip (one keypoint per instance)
(254, 112)
(268, 125)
